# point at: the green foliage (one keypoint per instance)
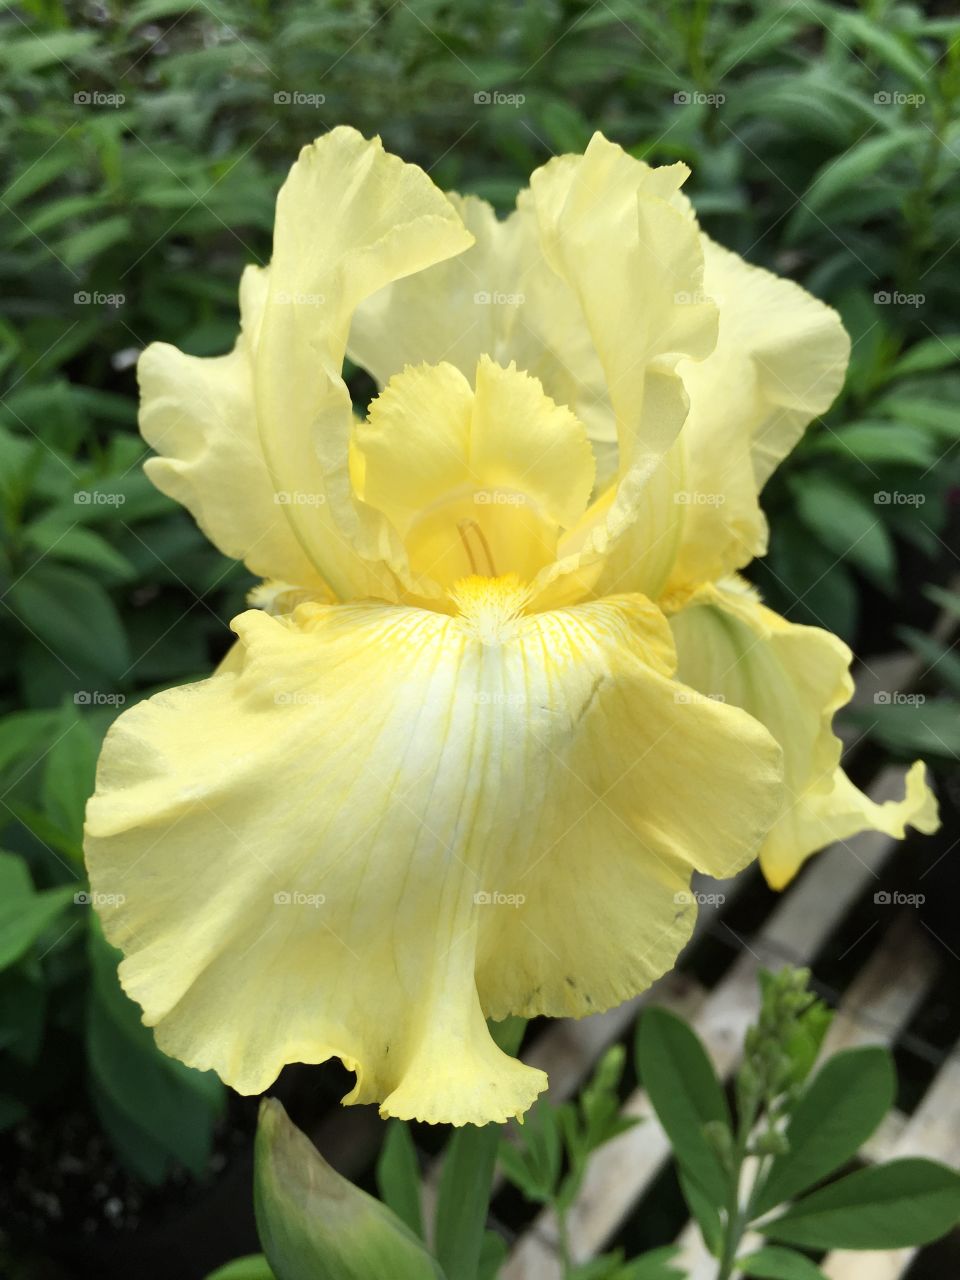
(157, 1111)
(547, 1157)
(922, 723)
(799, 1134)
(314, 1225)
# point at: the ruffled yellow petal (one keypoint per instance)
(779, 361)
(500, 298)
(479, 479)
(619, 234)
(256, 443)
(350, 219)
(792, 679)
(198, 414)
(387, 823)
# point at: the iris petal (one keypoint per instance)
(792, 679)
(385, 823)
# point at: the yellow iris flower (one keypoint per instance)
(448, 772)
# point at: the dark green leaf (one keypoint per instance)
(774, 1263)
(686, 1095)
(890, 1206)
(840, 1108)
(398, 1176)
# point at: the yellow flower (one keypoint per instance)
(447, 773)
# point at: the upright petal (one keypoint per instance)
(792, 679)
(241, 436)
(350, 219)
(619, 234)
(385, 823)
(779, 361)
(500, 298)
(198, 414)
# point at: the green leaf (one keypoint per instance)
(943, 663)
(254, 1267)
(948, 600)
(846, 523)
(493, 1254)
(877, 443)
(533, 1161)
(73, 616)
(686, 1095)
(938, 352)
(157, 1111)
(91, 241)
(891, 1206)
(79, 546)
(840, 1108)
(463, 1199)
(932, 728)
(68, 773)
(774, 1263)
(23, 1010)
(314, 1224)
(24, 914)
(838, 176)
(398, 1176)
(705, 1212)
(806, 1034)
(892, 50)
(23, 733)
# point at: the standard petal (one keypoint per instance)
(198, 415)
(500, 298)
(620, 235)
(779, 361)
(351, 218)
(792, 679)
(255, 443)
(389, 823)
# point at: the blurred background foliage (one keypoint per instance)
(143, 146)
